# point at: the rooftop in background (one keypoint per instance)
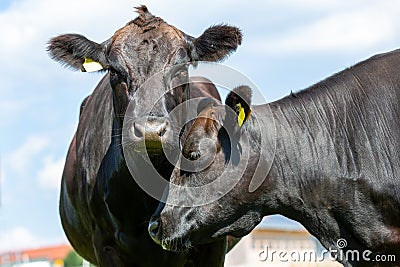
(290, 245)
(46, 253)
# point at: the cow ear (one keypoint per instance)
(217, 42)
(239, 100)
(78, 52)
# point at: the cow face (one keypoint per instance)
(212, 150)
(147, 62)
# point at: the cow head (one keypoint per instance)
(150, 54)
(213, 149)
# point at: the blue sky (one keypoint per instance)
(5, 4)
(288, 45)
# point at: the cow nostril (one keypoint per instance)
(137, 130)
(153, 230)
(163, 128)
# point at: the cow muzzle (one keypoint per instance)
(150, 135)
(174, 243)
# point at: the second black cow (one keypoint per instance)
(334, 157)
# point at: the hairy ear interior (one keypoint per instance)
(217, 42)
(239, 100)
(74, 51)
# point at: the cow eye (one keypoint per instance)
(113, 73)
(182, 73)
(113, 77)
(117, 76)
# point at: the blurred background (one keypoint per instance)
(288, 45)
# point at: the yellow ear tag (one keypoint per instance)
(90, 66)
(241, 115)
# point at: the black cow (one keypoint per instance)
(103, 211)
(336, 165)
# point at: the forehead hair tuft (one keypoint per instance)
(145, 18)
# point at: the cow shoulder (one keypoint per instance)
(93, 136)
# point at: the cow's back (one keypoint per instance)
(357, 112)
(348, 128)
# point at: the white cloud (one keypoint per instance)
(20, 160)
(29, 20)
(343, 25)
(19, 238)
(342, 30)
(49, 177)
(29, 24)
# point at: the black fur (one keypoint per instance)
(103, 211)
(334, 151)
(217, 42)
(71, 49)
